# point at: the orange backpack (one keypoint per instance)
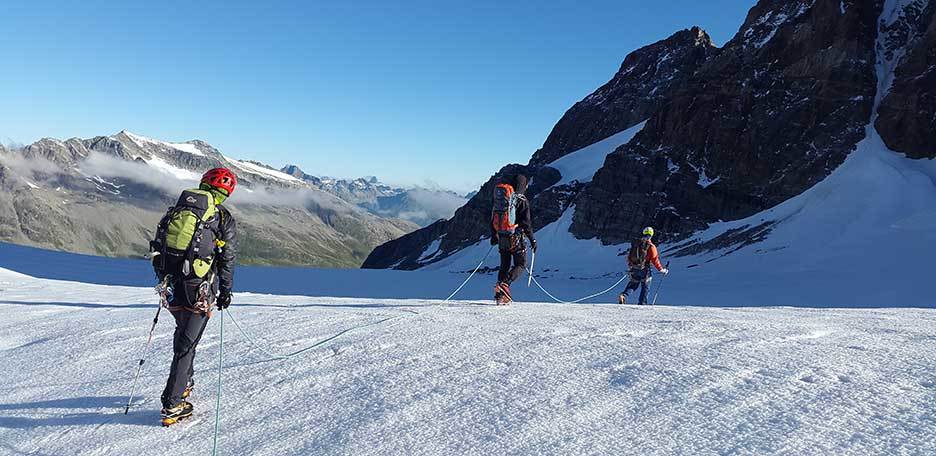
(505, 209)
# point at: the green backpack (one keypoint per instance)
(186, 236)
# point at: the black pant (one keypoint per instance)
(506, 273)
(189, 329)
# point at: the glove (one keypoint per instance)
(533, 245)
(494, 240)
(664, 271)
(224, 300)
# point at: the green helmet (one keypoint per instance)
(648, 231)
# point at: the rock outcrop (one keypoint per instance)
(907, 117)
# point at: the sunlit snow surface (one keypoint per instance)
(422, 377)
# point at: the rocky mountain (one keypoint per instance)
(419, 205)
(104, 196)
(908, 112)
(643, 82)
(687, 134)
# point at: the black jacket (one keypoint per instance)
(224, 263)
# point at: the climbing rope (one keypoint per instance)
(449, 298)
(540, 286)
(274, 356)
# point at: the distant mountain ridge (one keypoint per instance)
(104, 195)
(419, 205)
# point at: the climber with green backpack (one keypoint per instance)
(193, 255)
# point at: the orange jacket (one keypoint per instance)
(653, 257)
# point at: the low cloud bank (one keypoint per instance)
(122, 171)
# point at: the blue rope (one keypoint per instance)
(274, 356)
(214, 450)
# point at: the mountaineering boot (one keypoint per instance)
(188, 391)
(502, 294)
(622, 298)
(174, 414)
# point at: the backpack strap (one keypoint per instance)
(159, 243)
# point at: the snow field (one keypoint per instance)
(581, 165)
(468, 378)
(184, 147)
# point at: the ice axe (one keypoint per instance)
(657, 294)
(532, 261)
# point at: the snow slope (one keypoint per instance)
(167, 168)
(184, 147)
(422, 377)
(581, 165)
(262, 171)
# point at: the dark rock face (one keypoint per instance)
(404, 252)
(907, 116)
(636, 91)
(769, 116)
(62, 153)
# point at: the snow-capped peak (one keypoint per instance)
(143, 141)
(257, 169)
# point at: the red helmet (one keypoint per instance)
(221, 178)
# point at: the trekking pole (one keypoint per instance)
(532, 262)
(655, 296)
(214, 449)
(142, 359)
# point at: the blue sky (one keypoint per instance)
(411, 91)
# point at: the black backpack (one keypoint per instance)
(640, 249)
